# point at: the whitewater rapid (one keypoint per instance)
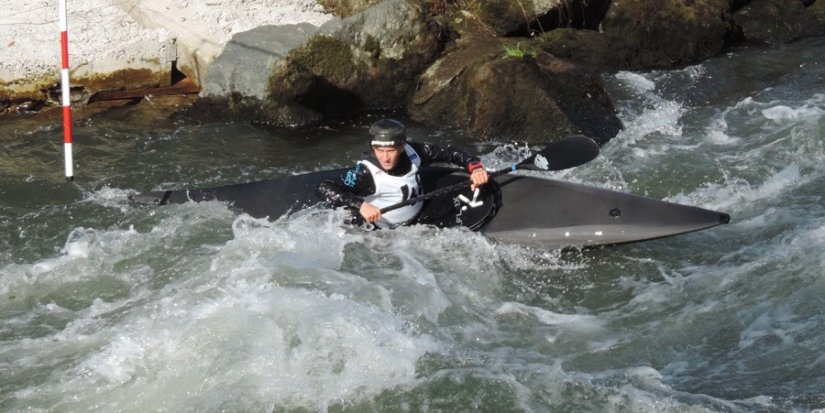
(107, 306)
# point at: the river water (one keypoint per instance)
(105, 306)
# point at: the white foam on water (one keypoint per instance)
(109, 197)
(775, 324)
(583, 322)
(778, 152)
(646, 391)
(661, 118)
(636, 81)
(735, 194)
(773, 131)
(717, 133)
(87, 256)
(786, 114)
(653, 131)
(244, 324)
(656, 114)
(193, 308)
(254, 345)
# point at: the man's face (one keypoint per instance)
(388, 155)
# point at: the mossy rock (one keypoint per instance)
(368, 61)
(646, 35)
(501, 16)
(535, 98)
(818, 10)
(586, 47)
(314, 81)
(323, 56)
(777, 21)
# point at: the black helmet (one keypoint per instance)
(388, 132)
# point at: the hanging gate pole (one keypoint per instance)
(64, 82)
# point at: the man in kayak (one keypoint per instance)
(389, 175)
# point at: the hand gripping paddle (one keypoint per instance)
(567, 153)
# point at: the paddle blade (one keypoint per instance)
(567, 153)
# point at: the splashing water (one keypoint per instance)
(106, 306)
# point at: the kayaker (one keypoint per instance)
(389, 175)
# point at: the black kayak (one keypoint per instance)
(512, 208)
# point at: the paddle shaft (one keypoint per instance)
(567, 153)
(442, 191)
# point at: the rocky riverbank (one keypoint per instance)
(522, 70)
(125, 44)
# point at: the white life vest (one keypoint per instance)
(390, 190)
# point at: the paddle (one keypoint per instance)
(573, 151)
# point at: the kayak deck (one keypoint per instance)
(516, 209)
(567, 214)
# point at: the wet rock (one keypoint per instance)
(777, 21)
(585, 47)
(387, 55)
(530, 97)
(612, 35)
(375, 60)
(368, 61)
(644, 34)
(249, 58)
(818, 10)
(527, 17)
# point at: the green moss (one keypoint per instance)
(27, 89)
(372, 46)
(323, 56)
(120, 79)
(42, 88)
(515, 52)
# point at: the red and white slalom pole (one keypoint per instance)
(64, 82)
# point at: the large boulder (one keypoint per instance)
(201, 30)
(240, 91)
(260, 50)
(818, 10)
(528, 17)
(377, 60)
(645, 34)
(639, 34)
(609, 35)
(777, 21)
(529, 98)
(367, 61)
